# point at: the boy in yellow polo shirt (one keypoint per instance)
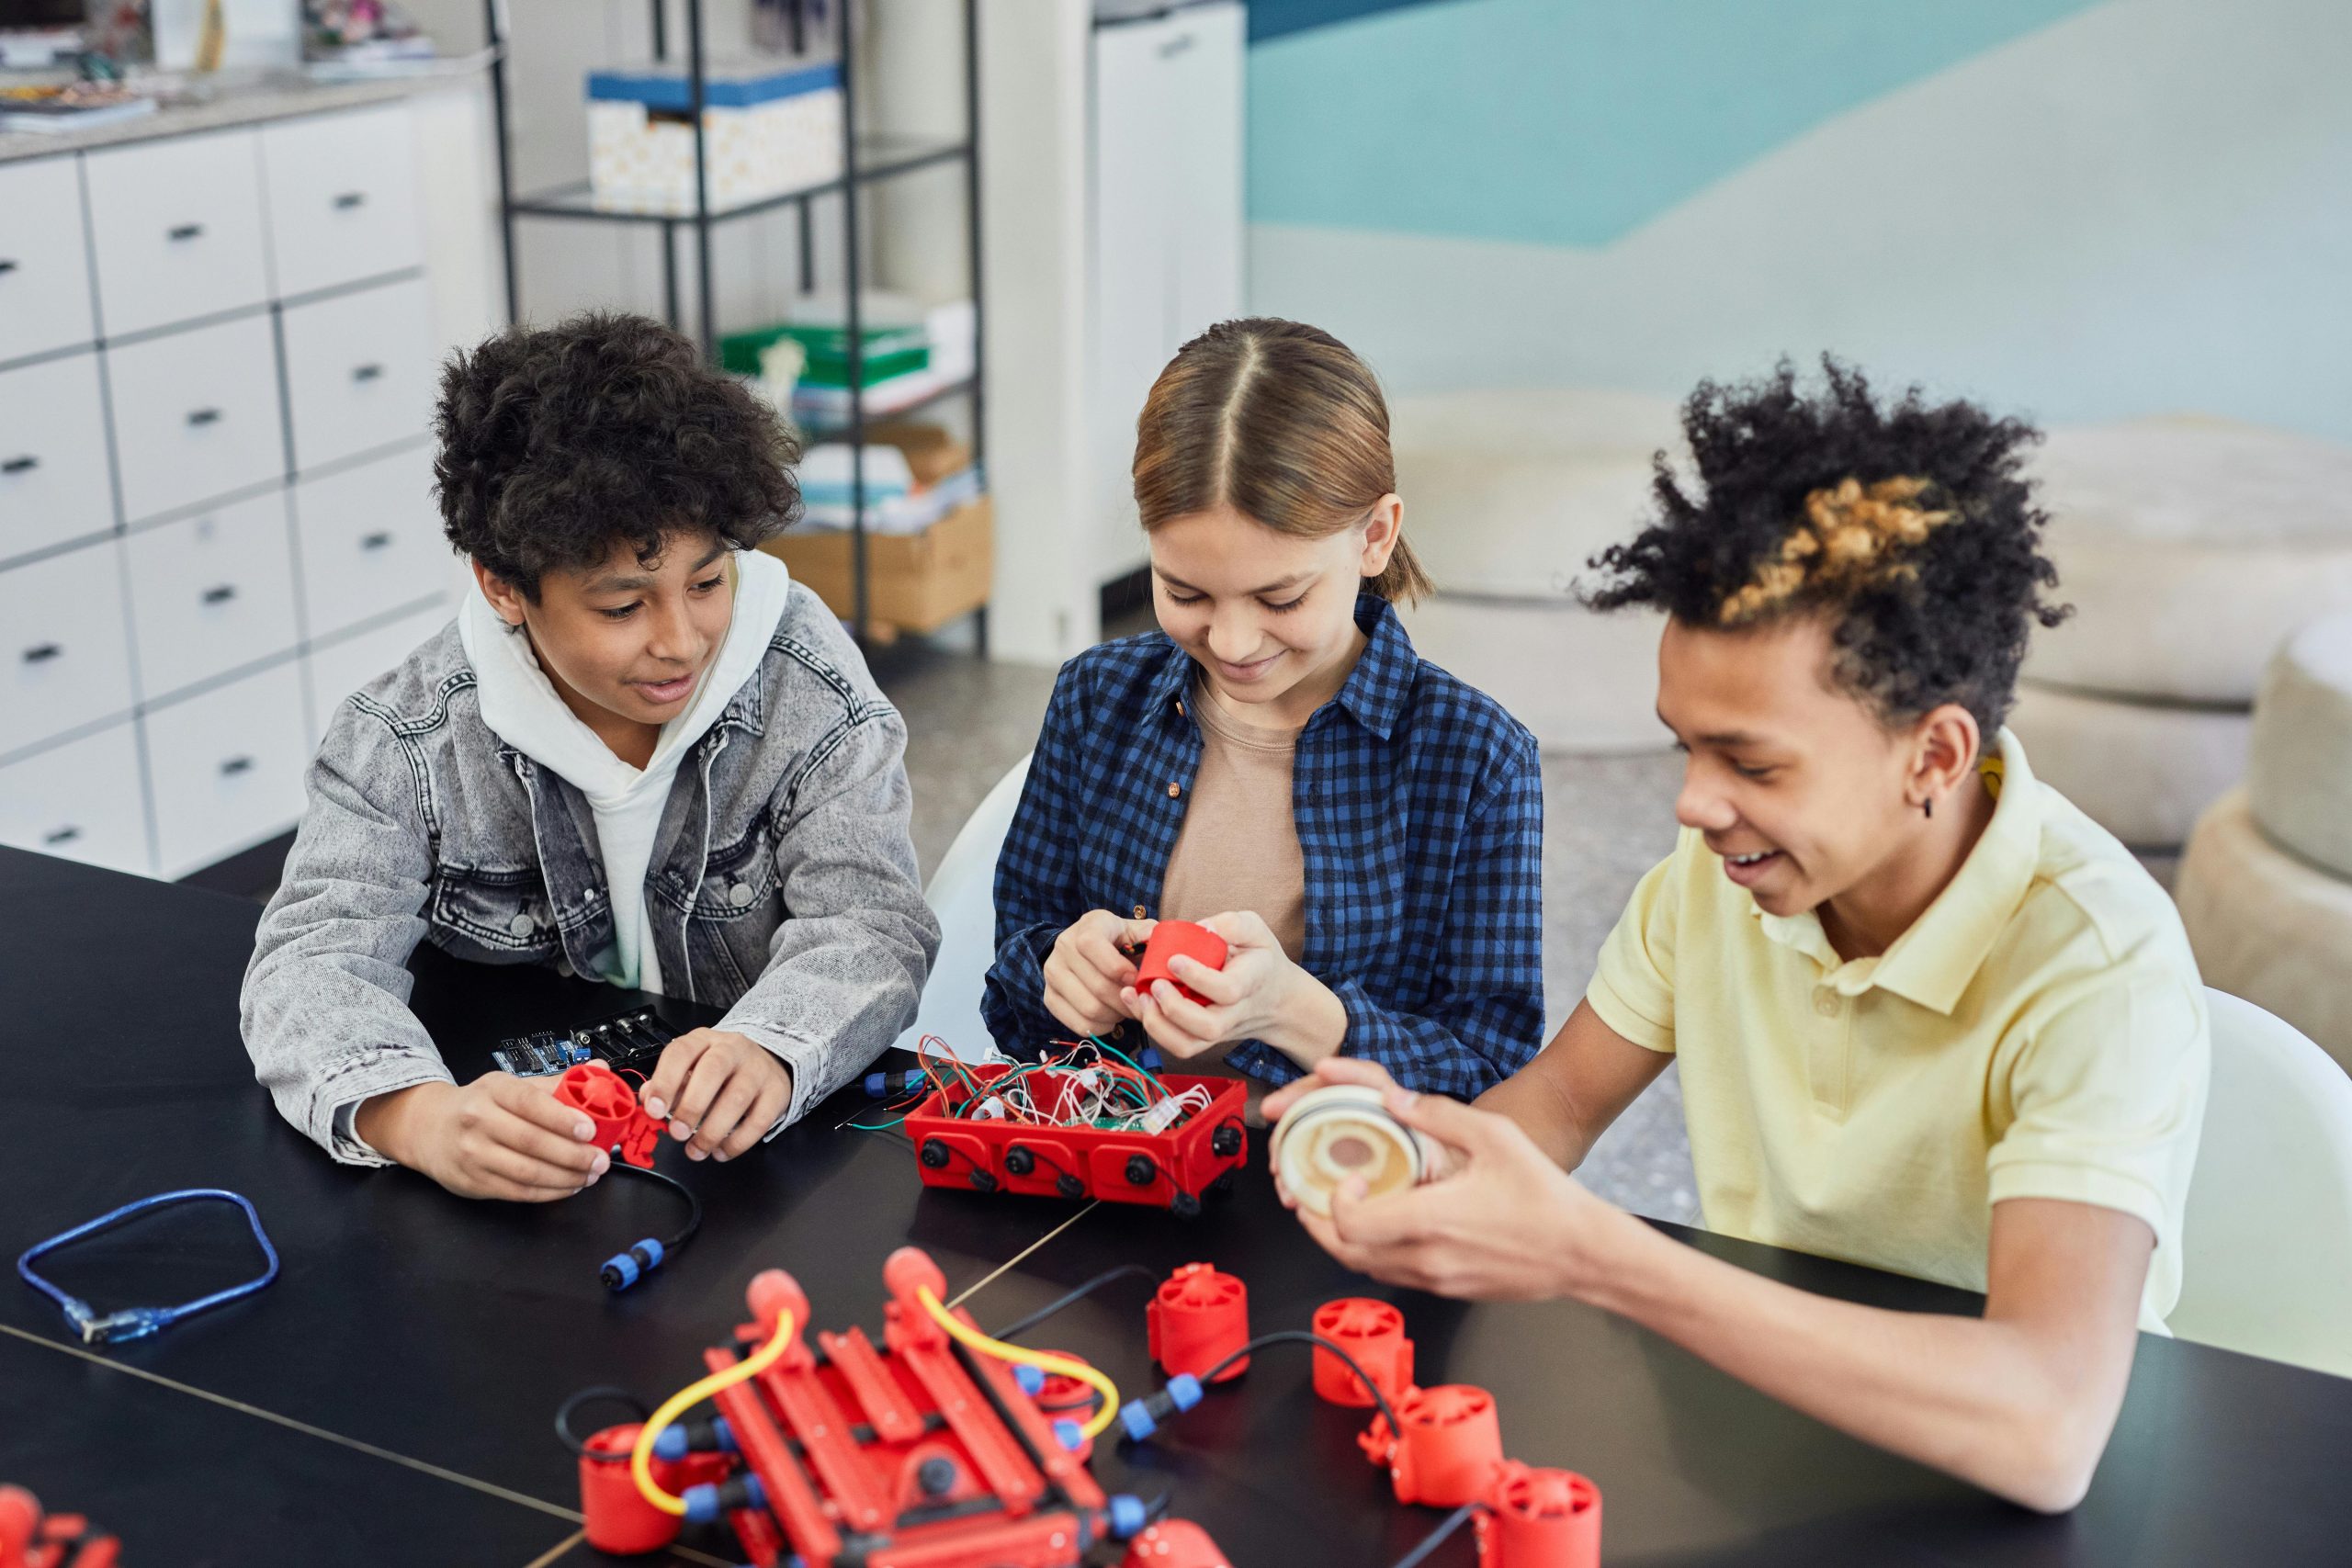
(1929, 1016)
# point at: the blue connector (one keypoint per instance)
(1032, 1380)
(625, 1268)
(131, 1323)
(708, 1502)
(1141, 1417)
(1152, 1060)
(1069, 1434)
(1128, 1517)
(675, 1442)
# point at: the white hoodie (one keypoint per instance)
(521, 707)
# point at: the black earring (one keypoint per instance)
(1928, 805)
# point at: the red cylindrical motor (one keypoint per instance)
(1198, 1318)
(1174, 1543)
(617, 1517)
(1449, 1448)
(1373, 1333)
(1539, 1519)
(1168, 939)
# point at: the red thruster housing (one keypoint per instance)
(1198, 1318)
(1373, 1333)
(1539, 1519)
(1174, 1543)
(604, 1098)
(1170, 1171)
(1449, 1449)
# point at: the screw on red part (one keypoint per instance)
(1174, 1543)
(1171, 937)
(1539, 1519)
(1448, 1450)
(616, 1515)
(1198, 1318)
(1373, 1333)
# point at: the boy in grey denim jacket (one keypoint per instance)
(641, 754)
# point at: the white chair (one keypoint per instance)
(963, 895)
(2266, 1265)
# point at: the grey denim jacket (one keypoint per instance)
(783, 883)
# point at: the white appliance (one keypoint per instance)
(1165, 215)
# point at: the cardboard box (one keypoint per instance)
(915, 582)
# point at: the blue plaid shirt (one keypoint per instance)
(1419, 808)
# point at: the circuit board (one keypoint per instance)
(627, 1040)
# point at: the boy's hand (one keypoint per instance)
(1090, 966)
(721, 1091)
(499, 1136)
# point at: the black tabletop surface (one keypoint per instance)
(447, 1331)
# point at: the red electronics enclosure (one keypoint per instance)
(1170, 1170)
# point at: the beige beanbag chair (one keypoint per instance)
(2189, 547)
(2267, 926)
(2299, 780)
(2141, 771)
(1508, 494)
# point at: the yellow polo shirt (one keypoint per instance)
(2038, 1032)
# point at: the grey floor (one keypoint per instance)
(1607, 821)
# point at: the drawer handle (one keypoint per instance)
(42, 653)
(219, 596)
(350, 199)
(236, 765)
(20, 465)
(64, 835)
(205, 416)
(367, 372)
(1181, 44)
(7, 265)
(376, 542)
(185, 232)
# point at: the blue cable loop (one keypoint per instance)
(135, 1323)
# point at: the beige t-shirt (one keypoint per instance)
(1239, 847)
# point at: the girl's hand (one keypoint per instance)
(1259, 995)
(721, 1090)
(1090, 969)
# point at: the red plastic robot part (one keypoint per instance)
(617, 1517)
(1168, 939)
(1448, 1451)
(1539, 1519)
(1373, 1333)
(29, 1539)
(1198, 1318)
(1174, 1543)
(598, 1092)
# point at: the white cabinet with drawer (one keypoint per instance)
(341, 199)
(54, 484)
(218, 353)
(371, 540)
(211, 592)
(341, 668)
(177, 225)
(64, 651)
(44, 266)
(224, 768)
(80, 800)
(358, 372)
(196, 416)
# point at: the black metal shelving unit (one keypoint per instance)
(866, 160)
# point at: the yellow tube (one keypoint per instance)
(640, 1458)
(1042, 1359)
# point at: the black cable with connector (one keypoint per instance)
(1141, 1417)
(602, 1391)
(1023, 1324)
(626, 1268)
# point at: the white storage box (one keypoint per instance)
(765, 133)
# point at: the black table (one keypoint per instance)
(444, 1333)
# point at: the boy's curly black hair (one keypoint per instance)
(1909, 526)
(556, 441)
